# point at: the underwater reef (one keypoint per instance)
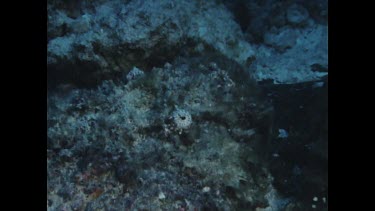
(187, 105)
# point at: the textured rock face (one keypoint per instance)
(293, 55)
(122, 141)
(166, 105)
(112, 36)
(90, 41)
(290, 38)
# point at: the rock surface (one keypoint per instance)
(90, 41)
(187, 105)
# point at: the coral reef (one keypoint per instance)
(120, 141)
(115, 35)
(187, 105)
(96, 40)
